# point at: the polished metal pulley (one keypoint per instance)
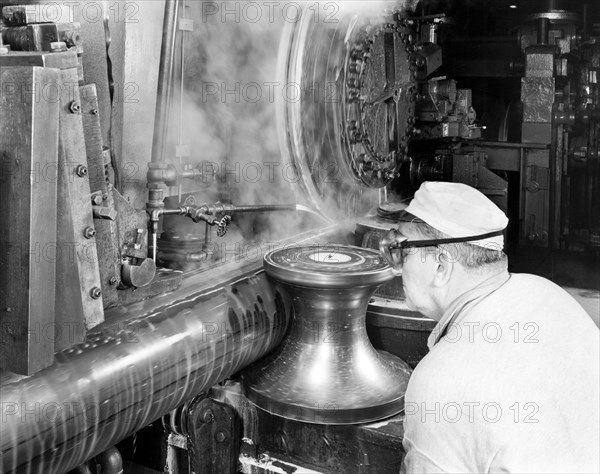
(326, 370)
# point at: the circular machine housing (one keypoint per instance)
(346, 131)
(326, 370)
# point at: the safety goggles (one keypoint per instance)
(395, 246)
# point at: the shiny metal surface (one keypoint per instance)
(132, 371)
(328, 266)
(165, 80)
(327, 371)
(144, 361)
(138, 275)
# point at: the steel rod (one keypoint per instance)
(165, 79)
(132, 371)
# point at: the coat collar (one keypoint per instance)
(465, 300)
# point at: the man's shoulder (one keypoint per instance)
(531, 284)
(532, 295)
(531, 279)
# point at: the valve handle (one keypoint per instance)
(223, 225)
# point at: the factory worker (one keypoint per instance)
(511, 380)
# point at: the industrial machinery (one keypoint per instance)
(144, 177)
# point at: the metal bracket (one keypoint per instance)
(214, 437)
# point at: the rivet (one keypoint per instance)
(81, 171)
(208, 416)
(89, 232)
(95, 293)
(74, 107)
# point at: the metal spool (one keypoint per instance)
(327, 371)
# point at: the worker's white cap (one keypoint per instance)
(459, 211)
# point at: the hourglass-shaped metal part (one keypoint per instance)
(326, 370)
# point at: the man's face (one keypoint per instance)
(418, 271)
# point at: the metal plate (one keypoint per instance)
(328, 266)
(28, 164)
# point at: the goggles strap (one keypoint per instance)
(428, 243)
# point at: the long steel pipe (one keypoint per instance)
(131, 371)
(165, 81)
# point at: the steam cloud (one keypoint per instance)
(228, 112)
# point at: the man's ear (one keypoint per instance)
(444, 268)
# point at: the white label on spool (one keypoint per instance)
(329, 257)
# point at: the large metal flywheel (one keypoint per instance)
(348, 132)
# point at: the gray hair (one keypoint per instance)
(472, 257)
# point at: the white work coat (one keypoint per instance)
(511, 384)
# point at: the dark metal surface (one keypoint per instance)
(269, 440)
(27, 14)
(214, 437)
(28, 164)
(110, 461)
(379, 96)
(472, 169)
(364, 449)
(32, 37)
(131, 370)
(327, 371)
(538, 96)
(556, 220)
